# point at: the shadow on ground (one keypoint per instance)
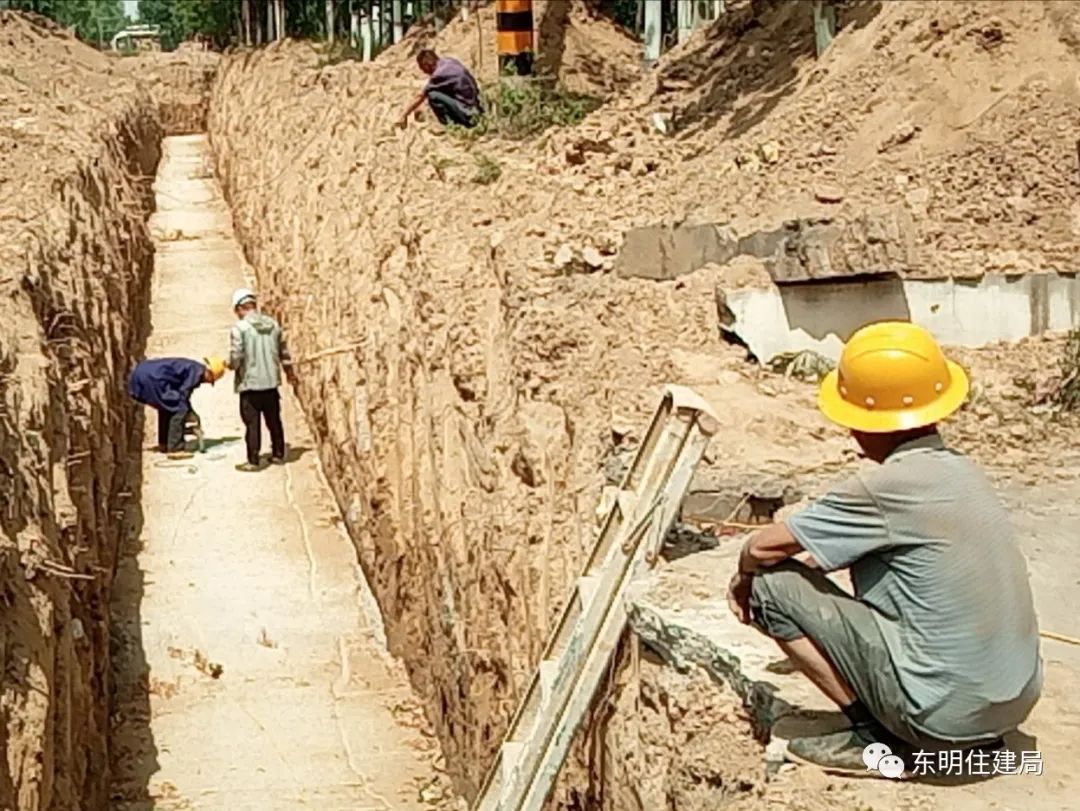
(296, 454)
(209, 444)
(749, 62)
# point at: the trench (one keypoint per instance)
(247, 672)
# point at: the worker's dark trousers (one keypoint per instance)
(170, 430)
(265, 405)
(451, 111)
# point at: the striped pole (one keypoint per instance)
(514, 23)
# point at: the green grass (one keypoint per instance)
(517, 108)
(487, 170)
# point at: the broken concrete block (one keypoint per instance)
(876, 243)
(663, 252)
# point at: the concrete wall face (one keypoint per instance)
(821, 316)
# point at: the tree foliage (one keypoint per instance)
(181, 20)
(93, 20)
(220, 21)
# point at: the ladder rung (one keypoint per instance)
(586, 586)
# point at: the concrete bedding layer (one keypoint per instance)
(75, 258)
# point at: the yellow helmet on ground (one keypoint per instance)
(217, 368)
(892, 376)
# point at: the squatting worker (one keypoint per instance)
(166, 385)
(938, 649)
(451, 91)
(257, 355)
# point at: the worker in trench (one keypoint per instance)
(166, 384)
(938, 647)
(450, 91)
(258, 355)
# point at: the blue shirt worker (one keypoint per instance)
(258, 355)
(166, 384)
(451, 91)
(937, 649)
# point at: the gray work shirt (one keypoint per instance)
(931, 550)
(257, 351)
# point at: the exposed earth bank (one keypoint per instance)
(76, 161)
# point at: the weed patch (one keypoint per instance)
(523, 107)
(487, 170)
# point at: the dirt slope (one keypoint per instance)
(178, 82)
(950, 118)
(76, 148)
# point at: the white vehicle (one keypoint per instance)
(137, 38)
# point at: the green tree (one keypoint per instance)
(93, 20)
(181, 19)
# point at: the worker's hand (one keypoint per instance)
(738, 596)
(290, 375)
(403, 122)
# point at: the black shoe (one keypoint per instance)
(842, 751)
(247, 467)
(277, 460)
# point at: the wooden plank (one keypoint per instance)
(593, 620)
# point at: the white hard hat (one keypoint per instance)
(241, 295)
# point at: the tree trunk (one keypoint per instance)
(354, 25)
(395, 8)
(824, 25)
(281, 32)
(245, 22)
(654, 31)
(269, 21)
(330, 21)
(685, 13)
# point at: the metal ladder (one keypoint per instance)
(593, 620)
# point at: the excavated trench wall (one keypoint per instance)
(75, 260)
(465, 405)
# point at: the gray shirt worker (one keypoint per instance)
(257, 352)
(932, 554)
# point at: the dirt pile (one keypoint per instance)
(75, 259)
(941, 127)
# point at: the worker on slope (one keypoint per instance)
(451, 91)
(938, 649)
(166, 384)
(257, 355)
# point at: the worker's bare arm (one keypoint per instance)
(412, 108)
(765, 548)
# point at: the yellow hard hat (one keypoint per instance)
(892, 376)
(217, 368)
